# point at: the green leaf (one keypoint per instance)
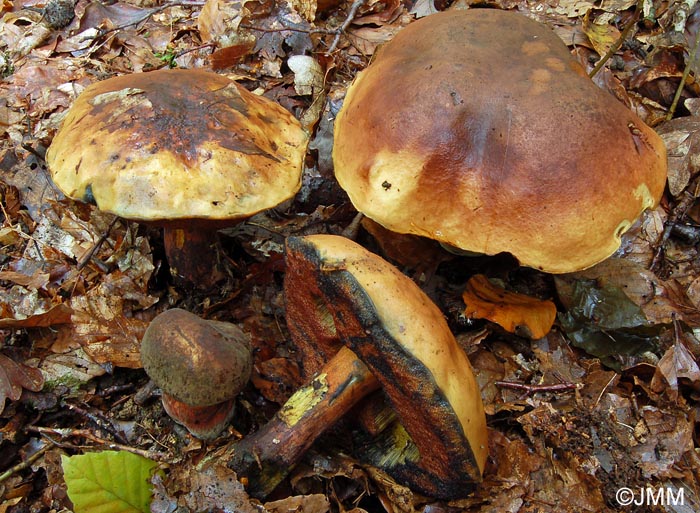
(605, 323)
(109, 482)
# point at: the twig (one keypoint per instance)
(681, 86)
(676, 215)
(147, 14)
(24, 464)
(536, 389)
(351, 16)
(352, 12)
(618, 43)
(83, 433)
(90, 255)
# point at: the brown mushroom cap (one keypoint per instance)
(177, 144)
(195, 361)
(478, 129)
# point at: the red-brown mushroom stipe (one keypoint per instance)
(478, 129)
(187, 149)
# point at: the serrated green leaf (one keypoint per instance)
(109, 482)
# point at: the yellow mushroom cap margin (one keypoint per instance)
(177, 144)
(478, 129)
(403, 338)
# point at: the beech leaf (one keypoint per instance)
(109, 482)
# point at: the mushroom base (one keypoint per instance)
(203, 422)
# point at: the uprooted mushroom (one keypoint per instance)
(360, 325)
(478, 129)
(188, 150)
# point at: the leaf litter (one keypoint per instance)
(572, 417)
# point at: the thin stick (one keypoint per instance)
(617, 44)
(351, 16)
(675, 217)
(681, 86)
(24, 464)
(83, 433)
(536, 389)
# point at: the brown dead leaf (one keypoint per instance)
(306, 8)
(21, 307)
(665, 437)
(229, 55)
(682, 138)
(218, 22)
(106, 16)
(315, 503)
(72, 368)
(103, 327)
(16, 376)
(275, 379)
(516, 313)
(676, 364)
(600, 32)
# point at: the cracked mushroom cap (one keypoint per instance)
(195, 361)
(478, 129)
(177, 144)
(339, 294)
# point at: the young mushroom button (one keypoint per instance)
(490, 137)
(200, 365)
(188, 150)
(366, 326)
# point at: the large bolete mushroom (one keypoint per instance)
(200, 366)
(188, 150)
(362, 326)
(478, 129)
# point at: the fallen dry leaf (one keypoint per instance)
(682, 138)
(676, 364)
(600, 33)
(516, 313)
(16, 376)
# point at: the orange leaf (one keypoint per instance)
(516, 313)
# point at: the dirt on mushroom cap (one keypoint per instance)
(174, 144)
(491, 138)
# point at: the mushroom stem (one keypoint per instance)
(266, 457)
(191, 255)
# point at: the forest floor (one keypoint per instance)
(608, 400)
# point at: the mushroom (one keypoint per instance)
(200, 366)
(360, 325)
(478, 129)
(188, 150)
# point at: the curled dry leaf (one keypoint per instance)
(682, 138)
(219, 20)
(16, 376)
(600, 33)
(516, 313)
(676, 364)
(24, 308)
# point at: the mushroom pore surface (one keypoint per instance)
(478, 129)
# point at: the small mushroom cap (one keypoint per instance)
(339, 289)
(195, 361)
(478, 129)
(177, 144)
